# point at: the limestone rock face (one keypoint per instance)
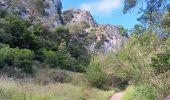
(103, 38)
(54, 6)
(73, 16)
(108, 39)
(45, 11)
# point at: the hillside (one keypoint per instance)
(50, 54)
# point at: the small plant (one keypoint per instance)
(95, 75)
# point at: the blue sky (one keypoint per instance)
(105, 11)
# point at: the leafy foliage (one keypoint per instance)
(166, 20)
(58, 59)
(95, 75)
(141, 62)
(145, 92)
(151, 13)
(161, 63)
(123, 31)
(129, 4)
(17, 34)
(16, 58)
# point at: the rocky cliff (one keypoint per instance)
(73, 16)
(108, 38)
(105, 37)
(45, 11)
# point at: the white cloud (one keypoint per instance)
(102, 7)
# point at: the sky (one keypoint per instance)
(105, 11)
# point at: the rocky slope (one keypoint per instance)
(73, 16)
(105, 37)
(45, 11)
(108, 38)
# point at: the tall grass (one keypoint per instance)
(15, 90)
(143, 92)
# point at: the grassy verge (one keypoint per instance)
(144, 92)
(13, 90)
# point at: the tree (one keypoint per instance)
(123, 31)
(138, 29)
(59, 7)
(151, 13)
(95, 75)
(22, 36)
(128, 5)
(161, 63)
(166, 20)
(57, 59)
(17, 58)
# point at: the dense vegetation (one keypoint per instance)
(56, 48)
(53, 56)
(145, 61)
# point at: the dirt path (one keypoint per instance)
(117, 96)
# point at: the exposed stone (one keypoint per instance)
(104, 38)
(73, 16)
(29, 9)
(53, 6)
(108, 39)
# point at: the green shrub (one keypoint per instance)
(64, 51)
(16, 33)
(145, 92)
(17, 58)
(122, 30)
(51, 58)
(133, 61)
(64, 60)
(166, 20)
(78, 27)
(137, 63)
(58, 59)
(3, 12)
(95, 75)
(161, 63)
(23, 59)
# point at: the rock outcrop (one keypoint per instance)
(45, 11)
(105, 37)
(73, 16)
(108, 39)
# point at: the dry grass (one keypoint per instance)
(14, 90)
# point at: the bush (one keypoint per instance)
(16, 33)
(57, 59)
(3, 12)
(17, 58)
(78, 27)
(161, 63)
(133, 61)
(146, 92)
(95, 75)
(137, 63)
(51, 58)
